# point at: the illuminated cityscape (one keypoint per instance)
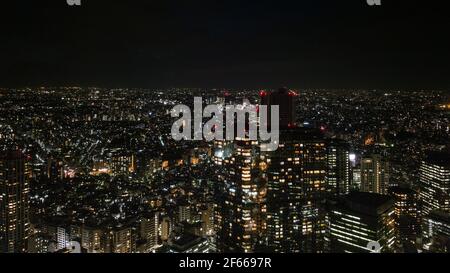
(225, 134)
(95, 170)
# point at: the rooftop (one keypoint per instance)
(439, 158)
(368, 203)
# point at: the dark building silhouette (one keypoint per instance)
(286, 99)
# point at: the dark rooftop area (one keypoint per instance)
(367, 203)
(439, 158)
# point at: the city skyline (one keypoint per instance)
(172, 127)
(99, 172)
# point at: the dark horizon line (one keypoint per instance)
(230, 88)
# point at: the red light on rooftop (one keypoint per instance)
(262, 93)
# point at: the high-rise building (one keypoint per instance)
(374, 174)
(436, 231)
(360, 220)
(93, 240)
(295, 176)
(285, 99)
(338, 174)
(121, 240)
(149, 232)
(407, 218)
(435, 182)
(14, 201)
(240, 200)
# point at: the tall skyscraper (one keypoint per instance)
(374, 174)
(295, 176)
(338, 174)
(359, 219)
(240, 199)
(407, 218)
(14, 201)
(285, 99)
(435, 182)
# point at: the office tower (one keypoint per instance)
(223, 150)
(121, 240)
(14, 201)
(148, 232)
(436, 231)
(286, 100)
(338, 174)
(374, 174)
(239, 200)
(435, 182)
(93, 240)
(359, 219)
(295, 176)
(407, 218)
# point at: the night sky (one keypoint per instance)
(226, 44)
